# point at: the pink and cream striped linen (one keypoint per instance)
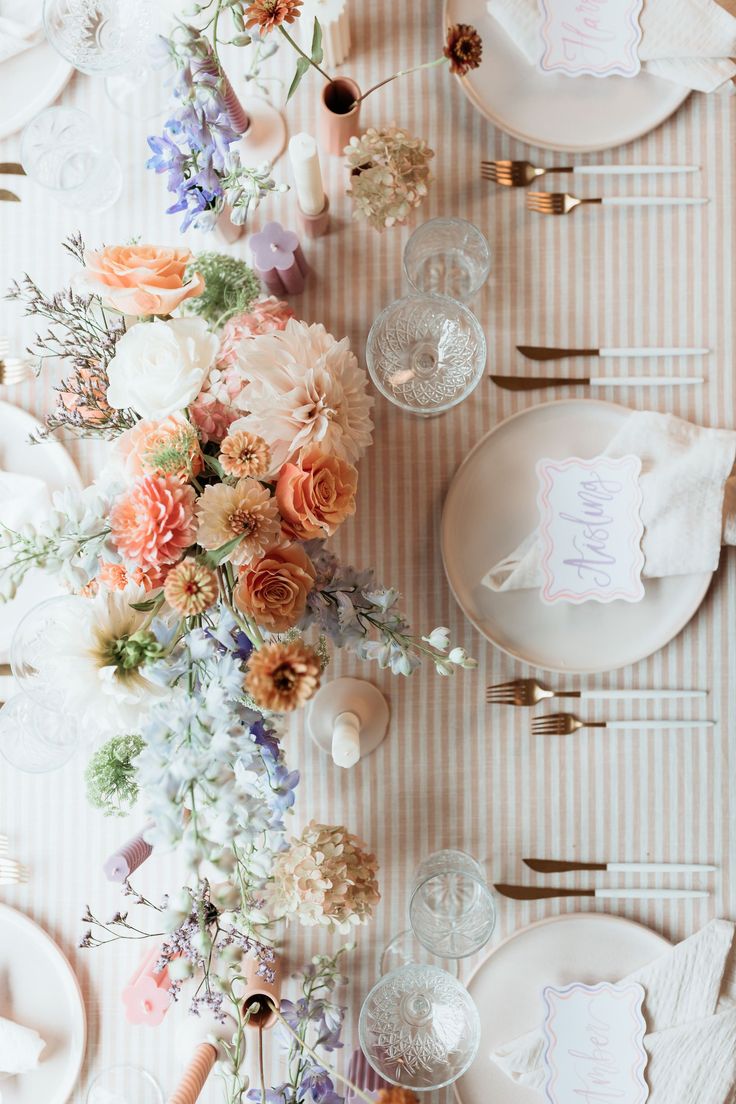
(452, 771)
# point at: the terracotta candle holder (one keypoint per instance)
(339, 115)
(259, 990)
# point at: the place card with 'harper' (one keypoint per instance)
(597, 38)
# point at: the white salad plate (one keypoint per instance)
(38, 989)
(29, 82)
(507, 986)
(50, 463)
(574, 114)
(491, 507)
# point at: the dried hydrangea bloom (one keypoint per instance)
(390, 175)
(326, 877)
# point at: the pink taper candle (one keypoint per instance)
(127, 858)
(195, 1076)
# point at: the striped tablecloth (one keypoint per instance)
(452, 772)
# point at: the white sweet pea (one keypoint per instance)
(461, 658)
(159, 367)
(439, 638)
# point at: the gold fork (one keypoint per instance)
(517, 174)
(521, 692)
(561, 203)
(564, 724)
(12, 872)
(13, 369)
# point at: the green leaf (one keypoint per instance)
(217, 555)
(302, 65)
(316, 51)
(214, 465)
(148, 604)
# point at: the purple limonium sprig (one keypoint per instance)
(197, 149)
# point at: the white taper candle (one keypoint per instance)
(304, 156)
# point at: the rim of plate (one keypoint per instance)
(708, 578)
(530, 139)
(50, 93)
(546, 922)
(17, 916)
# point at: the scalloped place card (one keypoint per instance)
(590, 529)
(594, 38)
(594, 1044)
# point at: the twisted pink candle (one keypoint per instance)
(195, 1076)
(127, 858)
(239, 118)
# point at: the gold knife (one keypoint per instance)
(11, 168)
(538, 893)
(10, 197)
(552, 866)
(544, 352)
(533, 383)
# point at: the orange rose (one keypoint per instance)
(316, 494)
(273, 590)
(140, 279)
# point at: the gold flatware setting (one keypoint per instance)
(519, 174)
(13, 370)
(562, 203)
(552, 352)
(11, 168)
(529, 692)
(553, 866)
(539, 893)
(564, 724)
(537, 383)
(7, 196)
(12, 872)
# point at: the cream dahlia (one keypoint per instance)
(265, 316)
(304, 388)
(153, 523)
(326, 877)
(246, 511)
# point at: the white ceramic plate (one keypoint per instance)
(29, 82)
(49, 462)
(38, 989)
(491, 506)
(507, 986)
(576, 114)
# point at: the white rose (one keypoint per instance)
(159, 367)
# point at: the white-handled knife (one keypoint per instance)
(538, 893)
(552, 352)
(555, 866)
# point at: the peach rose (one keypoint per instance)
(273, 590)
(165, 446)
(140, 279)
(316, 494)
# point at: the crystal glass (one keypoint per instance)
(426, 353)
(447, 256)
(34, 738)
(31, 659)
(124, 1085)
(99, 36)
(419, 1028)
(451, 909)
(405, 950)
(61, 150)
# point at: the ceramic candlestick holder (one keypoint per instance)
(278, 259)
(339, 115)
(335, 23)
(314, 226)
(348, 719)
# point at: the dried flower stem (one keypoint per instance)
(401, 73)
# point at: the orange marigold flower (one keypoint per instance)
(282, 677)
(464, 48)
(267, 14)
(243, 453)
(190, 588)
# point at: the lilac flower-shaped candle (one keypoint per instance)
(278, 259)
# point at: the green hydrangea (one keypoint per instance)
(111, 775)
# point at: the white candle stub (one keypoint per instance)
(304, 156)
(346, 740)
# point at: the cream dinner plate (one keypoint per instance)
(50, 463)
(507, 986)
(491, 506)
(39, 989)
(575, 114)
(29, 82)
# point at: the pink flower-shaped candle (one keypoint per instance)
(146, 997)
(278, 259)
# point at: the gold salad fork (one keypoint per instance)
(564, 724)
(12, 872)
(518, 174)
(562, 203)
(529, 692)
(13, 369)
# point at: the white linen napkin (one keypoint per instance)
(20, 26)
(690, 1012)
(20, 1048)
(23, 498)
(688, 500)
(690, 42)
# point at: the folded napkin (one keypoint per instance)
(20, 1048)
(688, 500)
(23, 498)
(20, 26)
(690, 42)
(690, 1012)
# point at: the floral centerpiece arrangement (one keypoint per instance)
(204, 598)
